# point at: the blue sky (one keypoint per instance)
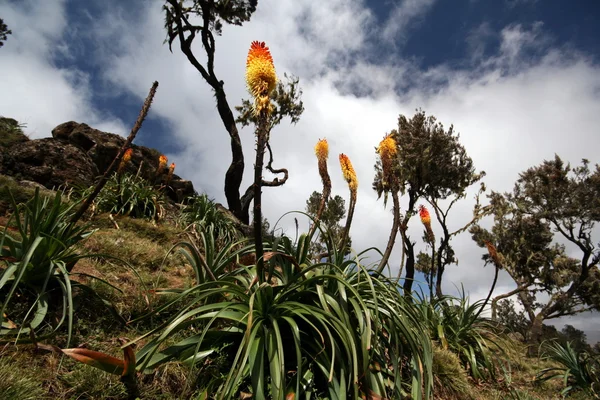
(519, 79)
(446, 31)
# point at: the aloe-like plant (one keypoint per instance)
(579, 371)
(310, 330)
(37, 247)
(459, 327)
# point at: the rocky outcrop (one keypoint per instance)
(50, 163)
(76, 155)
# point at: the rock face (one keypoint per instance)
(50, 163)
(76, 155)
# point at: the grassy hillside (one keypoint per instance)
(117, 296)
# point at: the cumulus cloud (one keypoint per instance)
(513, 109)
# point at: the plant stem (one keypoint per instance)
(261, 142)
(136, 127)
(393, 232)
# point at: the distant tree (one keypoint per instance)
(576, 337)
(510, 318)
(4, 32)
(334, 213)
(549, 199)
(431, 165)
(186, 19)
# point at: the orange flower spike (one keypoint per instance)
(322, 150)
(348, 172)
(493, 253)
(124, 160)
(260, 74)
(162, 162)
(127, 155)
(424, 214)
(171, 168)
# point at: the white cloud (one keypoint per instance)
(512, 111)
(35, 90)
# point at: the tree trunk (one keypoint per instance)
(393, 233)
(235, 172)
(409, 247)
(534, 336)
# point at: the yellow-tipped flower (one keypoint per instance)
(126, 158)
(424, 214)
(260, 75)
(322, 150)
(348, 172)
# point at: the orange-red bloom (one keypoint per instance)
(260, 74)
(424, 214)
(348, 172)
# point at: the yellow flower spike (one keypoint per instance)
(348, 172)
(322, 150)
(260, 75)
(387, 147)
(387, 150)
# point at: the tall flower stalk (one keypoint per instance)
(350, 177)
(430, 238)
(322, 153)
(497, 261)
(261, 80)
(387, 151)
